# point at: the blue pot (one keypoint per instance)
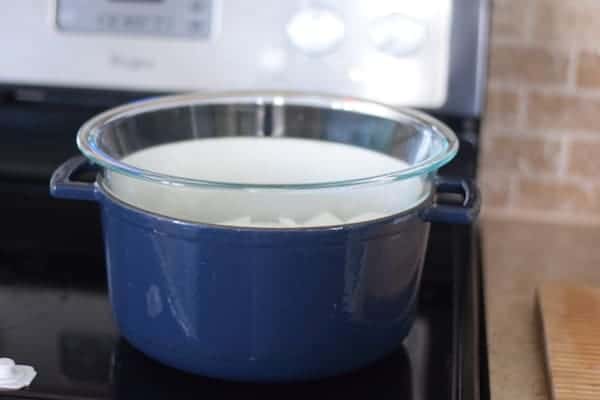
(263, 304)
(260, 304)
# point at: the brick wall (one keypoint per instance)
(541, 137)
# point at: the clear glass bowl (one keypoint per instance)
(272, 160)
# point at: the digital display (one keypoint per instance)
(134, 23)
(178, 18)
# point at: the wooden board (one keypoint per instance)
(571, 326)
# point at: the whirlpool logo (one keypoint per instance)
(129, 62)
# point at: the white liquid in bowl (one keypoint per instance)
(253, 160)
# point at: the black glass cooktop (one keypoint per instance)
(55, 315)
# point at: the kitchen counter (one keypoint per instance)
(518, 257)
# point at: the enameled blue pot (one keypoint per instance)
(261, 304)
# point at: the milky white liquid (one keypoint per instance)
(253, 160)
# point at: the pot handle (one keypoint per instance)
(464, 213)
(62, 187)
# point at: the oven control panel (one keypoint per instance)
(392, 51)
(167, 18)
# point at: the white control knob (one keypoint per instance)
(398, 34)
(315, 30)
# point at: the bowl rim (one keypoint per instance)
(90, 131)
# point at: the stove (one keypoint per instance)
(54, 309)
(56, 316)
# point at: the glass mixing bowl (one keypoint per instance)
(267, 159)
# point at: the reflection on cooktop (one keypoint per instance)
(135, 376)
(78, 363)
